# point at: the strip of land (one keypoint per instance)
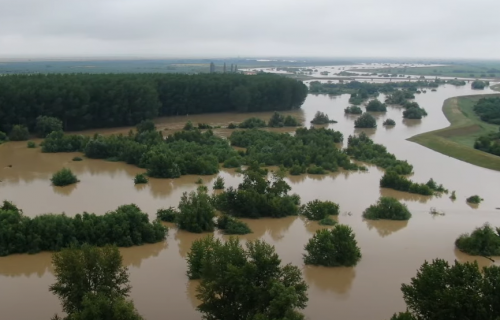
(458, 139)
(462, 71)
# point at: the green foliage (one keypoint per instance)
(489, 143)
(297, 170)
(260, 286)
(305, 148)
(140, 178)
(88, 271)
(233, 162)
(291, 121)
(199, 181)
(204, 126)
(318, 210)
(488, 109)
(231, 225)
(434, 186)
(393, 180)
(460, 291)
(188, 126)
(327, 222)
(453, 195)
(219, 183)
(146, 126)
(353, 110)
(232, 126)
(84, 101)
(316, 170)
(474, 199)
(400, 97)
(358, 97)
(63, 177)
(484, 241)
(196, 212)
(103, 307)
(389, 122)
(126, 226)
(278, 120)
(387, 208)
(403, 316)
(413, 111)
(45, 125)
(364, 149)
(19, 133)
(321, 118)
(3, 136)
(333, 248)
(478, 84)
(363, 90)
(31, 144)
(376, 106)
(366, 120)
(167, 215)
(77, 159)
(57, 141)
(252, 123)
(257, 197)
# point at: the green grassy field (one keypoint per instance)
(467, 71)
(457, 140)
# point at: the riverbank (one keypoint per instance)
(461, 71)
(458, 139)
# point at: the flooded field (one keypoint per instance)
(392, 250)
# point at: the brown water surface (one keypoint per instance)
(392, 251)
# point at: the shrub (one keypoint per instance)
(219, 183)
(196, 212)
(277, 120)
(353, 110)
(434, 186)
(31, 144)
(199, 181)
(474, 199)
(333, 248)
(63, 177)
(453, 195)
(394, 181)
(483, 241)
(232, 226)
(321, 118)
(3, 136)
(77, 159)
(316, 170)
(252, 123)
(233, 162)
(140, 178)
(146, 126)
(389, 122)
(366, 120)
(478, 84)
(19, 133)
(291, 121)
(45, 125)
(387, 208)
(297, 170)
(204, 126)
(232, 126)
(167, 215)
(327, 222)
(188, 126)
(318, 210)
(376, 106)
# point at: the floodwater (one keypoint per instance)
(392, 251)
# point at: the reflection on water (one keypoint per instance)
(191, 292)
(481, 261)
(385, 227)
(158, 271)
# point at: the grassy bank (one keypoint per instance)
(457, 140)
(462, 71)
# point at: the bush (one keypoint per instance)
(45, 125)
(389, 122)
(321, 118)
(146, 126)
(327, 222)
(77, 159)
(353, 110)
(167, 215)
(318, 210)
(3, 136)
(204, 126)
(19, 133)
(394, 181)
(387, 208)
(219, 183)
(199, 181)
(484, 241)
(232, 126)
(232, 226)
(252, 123)
(140, 179)
(366, 120)
(31, 144)
(376, 106)
(291, 122)
(474, 199)
(478, 84)
(453, 195)
(297, 170)
(63, 177)
(333, 248)
(316, 170)
(233, 162)
(188, 126)
(196, 212)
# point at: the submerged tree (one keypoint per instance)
(483, 241)
(63, 177)
(45, 125)
(387, 208)
(366, 120)
(318, 210)
(196, 212)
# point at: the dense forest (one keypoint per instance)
(126, 226)
(84, 101)
(488, 109)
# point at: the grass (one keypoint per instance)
(462, 71)
(457, 140)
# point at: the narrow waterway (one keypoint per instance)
(392, 251)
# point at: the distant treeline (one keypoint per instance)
(84, 101)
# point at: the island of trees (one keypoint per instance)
(387, 208)
(353, 110)
(483, 241)
(366, 120)
(321, 118)
(393, 180)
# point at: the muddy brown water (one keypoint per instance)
(392, 251)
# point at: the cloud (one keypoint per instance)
(326, 28)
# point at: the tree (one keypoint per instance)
(219, 183)
(389, 122)
(460, 291)
(88, 271)
(140, 178)
(387, 208)
(474, 199)
(318, 210)
(146, 126)
(321, 118)
(333, 248)
(19, 133)
(353, 110)
(376, 106)
(478, 84)
(366, 120)
(484, 241)
(251, 281)
(101, 307)
(63, 177)
(240, 98)
(196, 212)
(231, 225)
(45, 125)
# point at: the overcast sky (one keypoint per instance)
(226, 28)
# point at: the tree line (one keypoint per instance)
(83, 101)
